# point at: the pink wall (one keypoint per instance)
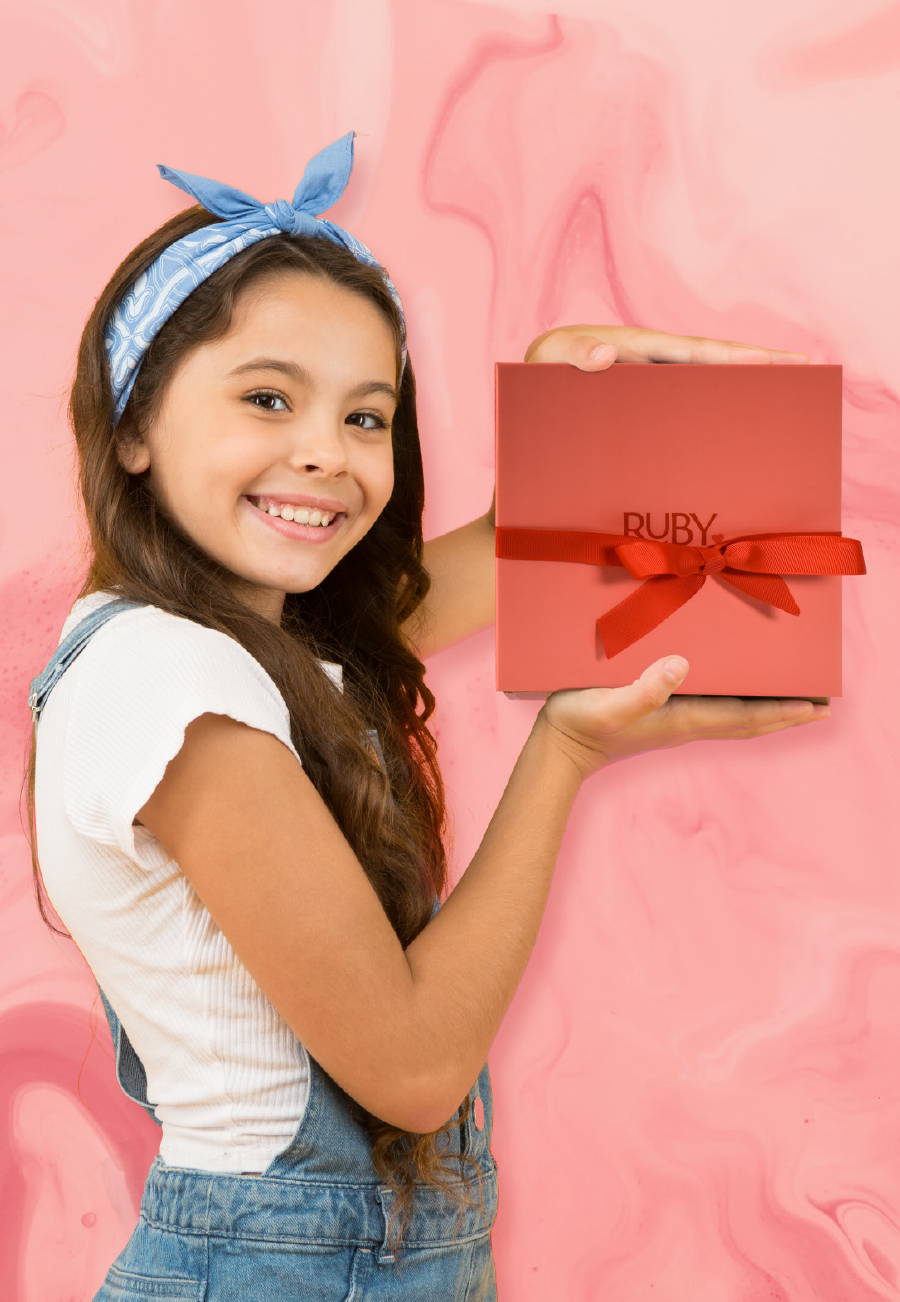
(697, 1084)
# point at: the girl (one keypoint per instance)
(236, 796)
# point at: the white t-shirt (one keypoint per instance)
(226, 1074)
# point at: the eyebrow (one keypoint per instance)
(300, 373)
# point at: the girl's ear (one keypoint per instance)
(131, 449)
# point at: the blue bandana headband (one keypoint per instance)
(183, 265)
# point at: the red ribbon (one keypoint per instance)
(753, 562)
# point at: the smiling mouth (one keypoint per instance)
(292, 529)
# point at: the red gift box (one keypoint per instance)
(653, 509)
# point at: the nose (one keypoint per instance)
(318, 444)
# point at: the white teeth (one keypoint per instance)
(300, 514)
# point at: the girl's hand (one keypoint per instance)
(596, 726)
(574, 343)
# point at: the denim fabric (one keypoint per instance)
(317, 1224)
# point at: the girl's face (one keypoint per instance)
(296, 400)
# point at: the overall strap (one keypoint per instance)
(71, 646)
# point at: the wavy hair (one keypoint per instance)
(394, 820)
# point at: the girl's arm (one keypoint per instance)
(462, 599)
(404, 1032)
(258, 844)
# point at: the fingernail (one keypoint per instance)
(675, 668)
(600, 351)
(799, 709)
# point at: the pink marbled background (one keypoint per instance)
(698, 1083)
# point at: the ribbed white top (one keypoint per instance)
(227, 1075)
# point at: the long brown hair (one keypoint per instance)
(393, 821)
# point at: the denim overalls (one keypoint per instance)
(315, 1225)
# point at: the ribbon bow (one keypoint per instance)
(675, 572)
(323, 182)
(183, 265)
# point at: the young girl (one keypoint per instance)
(235, 796)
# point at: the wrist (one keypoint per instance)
(576, 758)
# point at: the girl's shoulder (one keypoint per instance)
(154, 632)
(131, 691)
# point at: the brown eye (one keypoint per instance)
(265, 393)
(373, 415)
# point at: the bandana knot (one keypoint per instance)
(293, 221)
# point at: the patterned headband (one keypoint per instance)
(183, 265)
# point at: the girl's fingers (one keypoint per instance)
(762, 729)
(574, 344)
(638, 345)
(719, 715)
(577, 345)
